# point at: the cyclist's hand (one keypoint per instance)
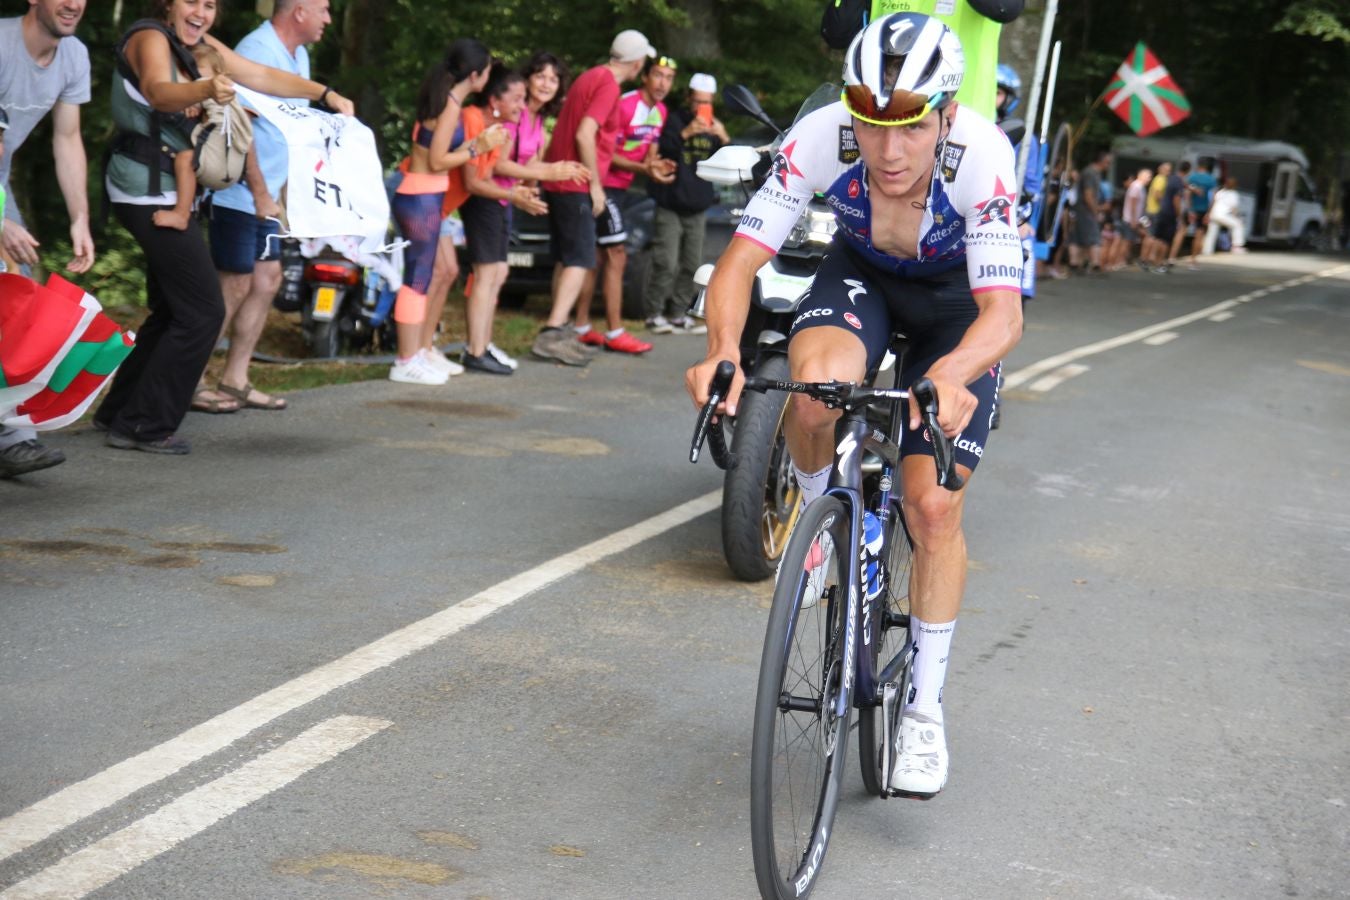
(699, 376)
(956, 404)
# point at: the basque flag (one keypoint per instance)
(1145, 95)
(57, 351)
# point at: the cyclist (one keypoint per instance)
(924, 194)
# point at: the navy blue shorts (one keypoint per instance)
(932, 312)
(239, 239)
(571, 229)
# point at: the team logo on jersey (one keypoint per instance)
(951, 160)
(999, 206)
(854, 189)
(848, 145)
(783, 167)
(853, 320)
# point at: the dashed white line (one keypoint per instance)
(1158, 340)
(69, 805)
(1058, 377)
(1049, 364)
(112, 857)
(1221, 316)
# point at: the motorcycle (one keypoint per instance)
(760, 496)
(345, 307)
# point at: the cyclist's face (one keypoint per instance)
(899, 158)
(192, 19)
(544, 85)
(506, 106)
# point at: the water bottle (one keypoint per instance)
(872, 554)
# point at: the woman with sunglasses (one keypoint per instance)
(923, 192)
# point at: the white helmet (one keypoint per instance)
(922, 58)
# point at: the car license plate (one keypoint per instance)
(520, 260)
(324, 301)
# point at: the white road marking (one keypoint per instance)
(1049, 364)
(1222, 316)
(69, 805)
(1159, 339)
(1058, 377)
(98, 864)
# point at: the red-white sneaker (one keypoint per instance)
(593, 337)
(624, 343)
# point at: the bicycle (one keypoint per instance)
(812, 674)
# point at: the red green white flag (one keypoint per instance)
(1145, 95)
(57, 351)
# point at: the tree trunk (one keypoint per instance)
(698, 39)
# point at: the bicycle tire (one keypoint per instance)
(760, 494)
(894, 599)
(806, 661)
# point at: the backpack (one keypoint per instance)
(220, 144)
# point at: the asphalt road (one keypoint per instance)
(479, 641)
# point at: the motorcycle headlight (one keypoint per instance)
(814, 227)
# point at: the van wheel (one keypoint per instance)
(1310, 238)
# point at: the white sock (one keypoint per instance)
(933, 644)
(581, 329)
(615, 333)
(812, 485)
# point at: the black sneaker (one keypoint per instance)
(485, 363)
(172, 444)
(28, 456)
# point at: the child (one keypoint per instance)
(209, 64)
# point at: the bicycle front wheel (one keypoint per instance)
(803, 705)
(890, 613)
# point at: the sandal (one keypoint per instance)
(244, 393)
(200, 403)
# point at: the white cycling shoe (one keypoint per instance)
(921, 758)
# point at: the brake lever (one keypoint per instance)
(717, 391)
(944, 455)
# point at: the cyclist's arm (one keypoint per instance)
(995, 331)
(726, 307)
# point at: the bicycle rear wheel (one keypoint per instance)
(803, 705)
(890, 613)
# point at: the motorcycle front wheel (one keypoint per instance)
(760, 494)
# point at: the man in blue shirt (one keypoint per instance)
(248, 264)
(1200, 185)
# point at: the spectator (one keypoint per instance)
(1087, 214)
(1171, 215)
(1200, 185)
(1225, 212)
(1152, 207)
(490, 183)
(643, 113)
(248, 266)
(1132, 221)
(587, 132)
(439, 145)
(692, 134)
(152, 390)
(43, 66)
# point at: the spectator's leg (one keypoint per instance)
(443, 275)
(692, 230)
(666, 238)
(615, 259)
(246, 327)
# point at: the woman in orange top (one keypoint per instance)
(488, 185)
(438, 147)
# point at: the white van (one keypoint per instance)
(1279, 203)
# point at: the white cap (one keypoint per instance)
(630, 46)
(703, 83)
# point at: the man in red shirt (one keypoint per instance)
(588, 131)
(642, 113)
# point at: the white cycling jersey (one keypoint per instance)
(969, 216)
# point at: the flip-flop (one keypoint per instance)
(242, 395)
(214, 406)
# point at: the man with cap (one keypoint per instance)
(692, 134)
(588, 130)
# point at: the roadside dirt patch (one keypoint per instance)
(455, 408)
(386, 871)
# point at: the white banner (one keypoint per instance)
(335, 184)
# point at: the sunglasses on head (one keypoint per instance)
(904, 107)
(667, 61)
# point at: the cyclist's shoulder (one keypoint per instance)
(975, 155)
(817, 148)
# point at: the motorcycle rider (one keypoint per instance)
(924, 193)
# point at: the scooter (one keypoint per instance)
(760, 496)
(346, 307)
